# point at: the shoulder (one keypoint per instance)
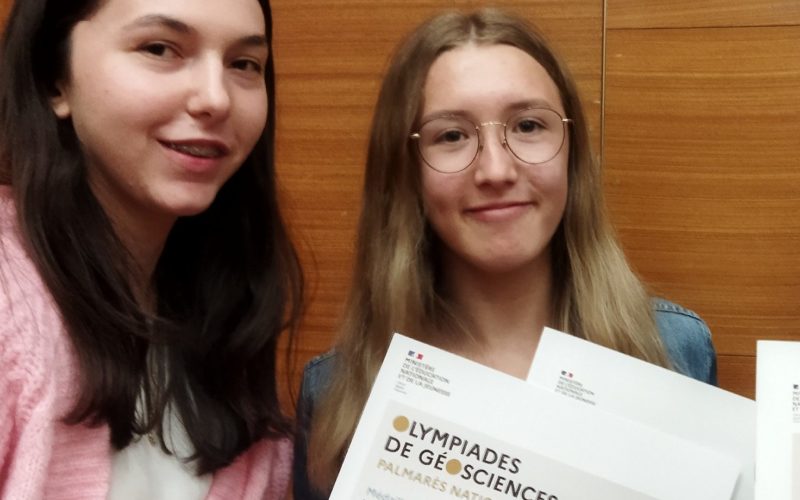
(687, 339)
(262, 471)
(316, 377)
(33, 341)
(6, 201)
(18, 274)
(29, 318)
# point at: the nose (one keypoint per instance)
(495, 164)
(209, 97)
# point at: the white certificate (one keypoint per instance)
(778, 427)
(654, 396)
(439, 426)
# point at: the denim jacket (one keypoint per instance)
(685, 336)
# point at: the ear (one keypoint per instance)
(59, 101)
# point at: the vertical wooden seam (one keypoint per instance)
(603, 48)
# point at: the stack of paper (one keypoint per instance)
(778, 432)
(440, 426)
(657, 397)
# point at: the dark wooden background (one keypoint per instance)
(694, 110)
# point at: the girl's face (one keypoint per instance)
(167, 98)
(499, 214)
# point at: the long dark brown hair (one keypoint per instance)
(227, 284)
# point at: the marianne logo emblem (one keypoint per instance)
(415, 355)
(565, 373)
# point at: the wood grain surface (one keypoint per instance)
(700, 141)
(702, 154)
(5, 8)
(639, 14)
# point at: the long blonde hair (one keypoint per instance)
(596, 294)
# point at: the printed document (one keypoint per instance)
(778, 423)
(651, 395)
(438, 426)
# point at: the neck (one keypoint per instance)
(145, 254)
(143, 236)
(506, 312)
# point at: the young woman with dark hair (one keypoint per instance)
(145, 270)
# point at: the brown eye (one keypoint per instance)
(451, 136)
(159, 50)
(248, 65)
(527, 126)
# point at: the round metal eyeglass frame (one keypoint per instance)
(415, 136)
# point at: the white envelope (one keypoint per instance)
(439, 426)
(629, 387)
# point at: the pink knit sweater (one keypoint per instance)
(40, 457)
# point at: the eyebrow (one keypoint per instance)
(180, 27)
(530, 103)
(510, 108)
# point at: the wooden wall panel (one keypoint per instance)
(701, 146)
(5, 8)
(330, 57)
(738, 373)
(701, 13)
(702, 154)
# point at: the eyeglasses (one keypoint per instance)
(451, 143)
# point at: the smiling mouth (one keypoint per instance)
(198, 150)
(498, 213)
(498, 207)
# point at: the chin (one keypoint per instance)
(189, 211)
(189, 208)
(188, 203)
(516, 263)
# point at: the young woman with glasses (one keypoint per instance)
(482, 222)
(145, 271)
